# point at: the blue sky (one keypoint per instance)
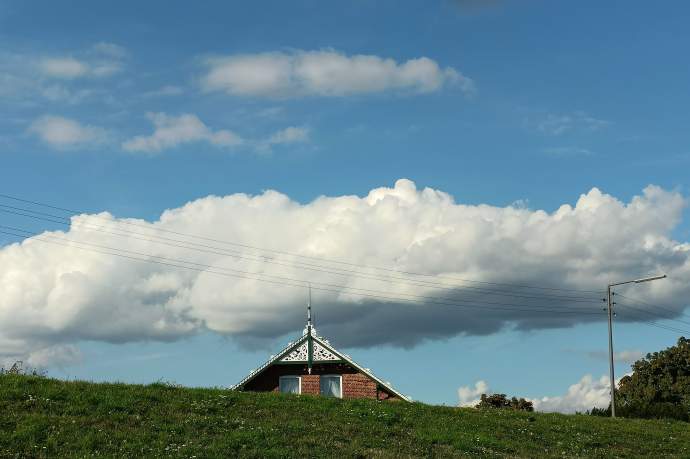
(532, 102)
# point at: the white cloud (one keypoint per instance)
(469, 396)
(292, 134)
(102, 60)
(58, 356)
(580, 397)
(171, 131)
(325, 73)
(51, 294)
(63, 67)
(64, 133)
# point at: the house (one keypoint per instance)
(312, 366)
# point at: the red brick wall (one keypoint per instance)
(358, 385)
(310, 384)
(355, 384)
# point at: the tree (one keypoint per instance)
(501, 401)
(659, 386)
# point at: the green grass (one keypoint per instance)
(41, 417)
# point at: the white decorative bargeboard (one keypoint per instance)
(320, 353)
(299, 354)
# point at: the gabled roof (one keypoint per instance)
(321, 352)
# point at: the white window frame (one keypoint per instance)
(299, 383)
(332, 376)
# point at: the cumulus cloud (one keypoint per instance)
(172, 131)
(64, 133)
(580, 397)
(325, 73)
(63, 67)
(101, 60)
(50, 293)
(469, 396)
(59, 356)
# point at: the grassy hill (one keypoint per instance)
(47, 418)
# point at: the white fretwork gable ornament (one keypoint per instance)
(300, 354)
(321, 354)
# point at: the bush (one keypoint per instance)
(501, 401)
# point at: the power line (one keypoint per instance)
(641, 321)
(242, 273)
(637, 300)
(328, 260)
(651, 314)
(283, 281)
(299, 265)
(298, 282)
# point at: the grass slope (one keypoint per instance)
(47, 418)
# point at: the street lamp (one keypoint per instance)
(610, 309)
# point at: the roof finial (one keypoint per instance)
(309, 324)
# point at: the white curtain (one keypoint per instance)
(289, 385)
(330, 386)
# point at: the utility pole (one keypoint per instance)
(610, 314)
(613, 381)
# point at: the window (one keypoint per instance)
(290, 384)
(331, 385)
